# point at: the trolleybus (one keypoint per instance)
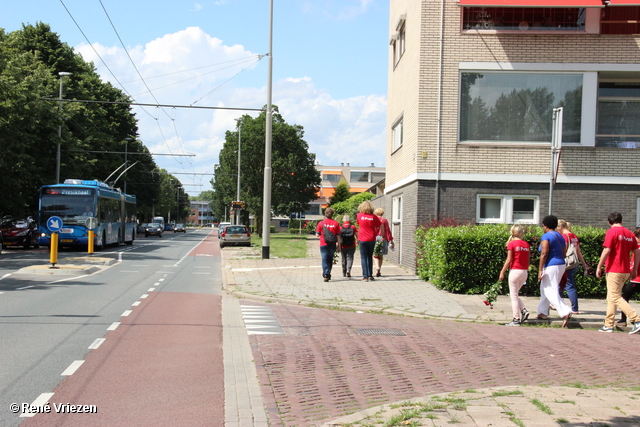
(81, 204)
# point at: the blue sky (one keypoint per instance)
(329, 69)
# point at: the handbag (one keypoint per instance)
(571, 258)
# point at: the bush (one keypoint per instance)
(308, 226)
(468, 259)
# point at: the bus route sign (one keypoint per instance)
(54, 224)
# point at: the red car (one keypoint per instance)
(19, 232)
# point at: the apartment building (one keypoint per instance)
(474, 86)
(359, 179)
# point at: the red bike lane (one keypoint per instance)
(162, 366)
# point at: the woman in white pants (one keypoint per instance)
(552, 252)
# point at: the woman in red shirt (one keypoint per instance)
(387, 240)
(518, 263)
(368, 229)
(348, 243)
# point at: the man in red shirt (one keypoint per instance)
(618, 244)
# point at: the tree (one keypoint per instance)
(341, 193)
(295, 180)
(350, 206)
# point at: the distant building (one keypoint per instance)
(201, 213)
(359, 179)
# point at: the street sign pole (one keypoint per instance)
(54, 224)
(556, 147)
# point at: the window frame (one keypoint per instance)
(398, 122)
(506, 209)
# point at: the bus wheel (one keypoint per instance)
(130, 242)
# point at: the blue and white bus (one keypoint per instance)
(80, 202)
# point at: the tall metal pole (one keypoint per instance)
(239, 158)
(61, 74)
(266, 198)
(556, 146)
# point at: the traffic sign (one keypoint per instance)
(91, 222)
(54, 224)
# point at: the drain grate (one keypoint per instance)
(396, 332)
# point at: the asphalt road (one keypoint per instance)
(120, 325)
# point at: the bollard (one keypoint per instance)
(53, 254)
(90, 241)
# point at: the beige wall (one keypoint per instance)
(413, 89)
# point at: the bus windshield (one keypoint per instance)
(71, 209)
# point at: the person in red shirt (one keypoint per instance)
(387, 240)
(618, 244)
(518, 251)
(633, 285)
(368, 229)
(348, 243)
(329, 232)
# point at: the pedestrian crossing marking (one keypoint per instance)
(260, 320)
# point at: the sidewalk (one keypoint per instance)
(400, 292)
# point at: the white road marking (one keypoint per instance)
(113, 326)
(151, 289)
(139, 265)
(39, 402)
(6, 275)
(161, 280)
(97, 343)
(70, 278)
(144, 295)
(72, 368)
(135, 304)
(25, 287)
(129, 271)
(199, 273)
(126, 313)
(156, 284)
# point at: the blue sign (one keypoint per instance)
(54, 224)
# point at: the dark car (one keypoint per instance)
(168, 227)
(19, 232)
(153, 229)
(235, 235)
(179, 228)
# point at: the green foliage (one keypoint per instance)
(341, 193)
(350, 206)
(467, 259)
(302, 226)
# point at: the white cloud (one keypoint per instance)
(178, 67)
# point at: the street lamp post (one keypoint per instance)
(266, 195)
(239, 157)
(61, 74)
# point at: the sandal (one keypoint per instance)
(542, 317)
(565, 320)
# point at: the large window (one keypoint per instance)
(620, 20)
(396, 133)
(331, 177)
(494, 208)
(524, 18)
(618, 114)
(398, 40)
(518, 107)
(357, 176)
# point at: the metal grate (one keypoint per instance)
(396, 332)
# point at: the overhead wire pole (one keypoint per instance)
(266, 198)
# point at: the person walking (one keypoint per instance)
(368, 229)
(329, 232)
(348, 243)
(633, 285)
(570, 288)
(387, 240)
(517, 262)
(550, 270)
(618, 244)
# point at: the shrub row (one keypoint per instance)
(467, 259)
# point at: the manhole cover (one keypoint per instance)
(396, 332)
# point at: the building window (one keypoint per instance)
(518, 107)
(331, 177)
(492, 208)
(396, 210)
(313, 210)
(398, 40)
(620, 20)
(377, 176)
(396, 133)
(618, 114)
(359, 176)
(524, 18)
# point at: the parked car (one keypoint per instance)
(168, 227)
(235, 235)
(221, 227)
(19, 232)
(179, 228)
(153, 229)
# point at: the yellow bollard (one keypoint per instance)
(90, 242)
(53, 254)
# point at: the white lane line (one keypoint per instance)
(129, 271)
(161, 280)
(70, 278)
(139, 265)
(144, 295)
(202, 266)
(39, 402)
(135, 304)
(196, 272)
(72, 368)
(113, 326)
(6, 275)
(97, 343)
(126, 313)
(157, 283)
(25, 287)
(151, 289)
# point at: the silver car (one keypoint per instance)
(235, 235)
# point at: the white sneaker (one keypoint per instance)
(636, 328)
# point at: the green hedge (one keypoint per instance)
(468, 259)
(294, 226)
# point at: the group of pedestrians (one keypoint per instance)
(370, 228)
(619, 243)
